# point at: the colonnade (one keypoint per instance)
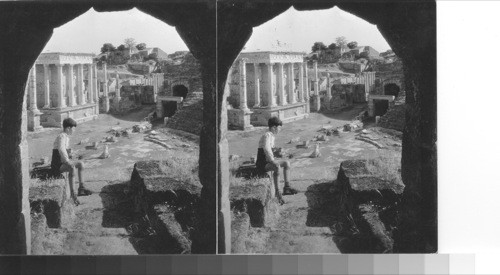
(285, 97)
(63, 90)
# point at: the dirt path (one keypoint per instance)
(99, 227)
(307, 220)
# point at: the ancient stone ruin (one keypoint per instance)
(168, 202)
(369, 192)
(266, 84)
(62, 85)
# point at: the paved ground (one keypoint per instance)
(307, 218)
(101, 219)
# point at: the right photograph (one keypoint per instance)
(327, 117)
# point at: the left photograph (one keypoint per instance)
(107, 147)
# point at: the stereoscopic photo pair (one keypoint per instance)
(218, 127)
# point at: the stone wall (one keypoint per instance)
(342, 97)
(185, 71)
(395, 116)
(189, 117)
(389, 73)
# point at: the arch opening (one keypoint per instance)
(180, 90)
(391, 89)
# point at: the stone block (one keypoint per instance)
(174, 232)
(157, 181)
(369, 180)
(257, 200)
(370, 190)
(373, 227)
(168, 194)
(52, 201)
(38, 229)
(240, 224)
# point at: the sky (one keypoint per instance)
(290, 31)
(298, 30)
(88, 32)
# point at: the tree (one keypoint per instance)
(107, 47)
(332, 46)
(141, 46)
(121, 47)
(341, 42)
(352, 45)
(129, 42)
(318, 46)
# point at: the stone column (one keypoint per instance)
(32, 90)
(60, 78)
(90, 83)
(79, 85)
(316, 98)
(257, 84)
(243, 85)
(328, 88)
(71, 86)
(34, 113)
(281, 88)
(307, 89)
(371, 107)
(301, 82)
(291, 84)
(105, 88)
(118, 95)
(96, 87)
(271, 101)
(46, 79)
(316, 80)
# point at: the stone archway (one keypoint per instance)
(180, 90)
(37, 21)
(391, 89)
(396, 22)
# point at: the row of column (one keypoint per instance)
(80, 100)
(281, 88)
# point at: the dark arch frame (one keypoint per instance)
(395, 21)
(26, 27)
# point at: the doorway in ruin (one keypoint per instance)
(381, 106)
(391, 89)
(180, 90)
(169, 108)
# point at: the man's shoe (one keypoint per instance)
(82, 191)
(287, 190)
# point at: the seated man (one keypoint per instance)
(61, 160)
(266, 161)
